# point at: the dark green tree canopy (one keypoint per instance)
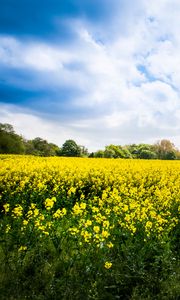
(41, 147)
(10, 142)
(70, 148)
(116, 151)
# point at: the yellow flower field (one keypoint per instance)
(96, 204)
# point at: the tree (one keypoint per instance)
(70, 148)
(53, 149)
(10, 142)
(110, 152)
(133, 149)
(91, 155)
(29, 148)
(8, 128)
(147, 154)
(41, 147)
(126, 152)
(143, 151)
(84, 151)
(114, 151)
(99, 153)
(177, 151)
(165, 149)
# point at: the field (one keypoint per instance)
(77, 228)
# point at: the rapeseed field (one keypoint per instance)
(77, 228)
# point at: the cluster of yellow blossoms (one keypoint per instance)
(98, 198)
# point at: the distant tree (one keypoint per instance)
(110, 152)
(116, 151)
(29, 148)
(70, 148)
(8, 128)
(126, 152)
(53, 149)
(177, 151)
(99, 153)
(147, 154)
(91, 155)
(165, 149)
(84, 151)
(171, 155)
(41, 147)
(10, 142)
(143, 151)
(133, 149)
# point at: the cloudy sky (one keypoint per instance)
(96, 71)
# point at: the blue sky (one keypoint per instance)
(96, 71)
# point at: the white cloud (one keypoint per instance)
(35, 55)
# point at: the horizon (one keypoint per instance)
(98, 72)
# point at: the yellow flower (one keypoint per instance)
(108, 265)
(17, 211)
(125, 208)
(88, 223)
(49, 203)
(33, 205)
(64, 211)
(96, 229)
(87, 235)
(25, 222)
(6, 207)
(22, 248)
(29, 214)
(36, 212)
(41, 217)
(78, 209)
(73, 230)
(46, 232)
(106, 224)
(105, 233)
(110, 245)
(72, 190)
(83, 205)
(108, 211)
(8, 227)
(95, 209)
(59, 213)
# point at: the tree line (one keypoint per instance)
(12, 143)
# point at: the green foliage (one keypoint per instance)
(170, 155)
(41, 147)
(147, 154)
(99, 154)
(71, 149)
(177, 152)
(165, 150)
(84, 151)
(126, 152)
(10, 142)
(143, 151)
(113, 151)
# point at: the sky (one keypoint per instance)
(99, 72)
